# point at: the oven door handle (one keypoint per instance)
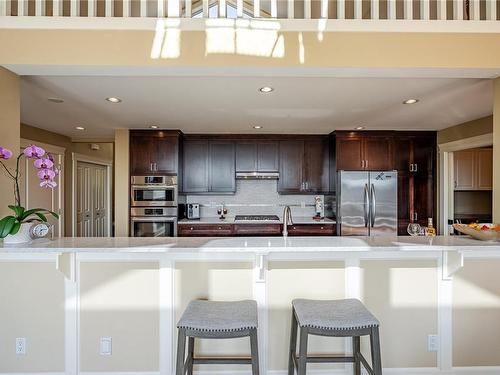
(154, 187)
(149, 219)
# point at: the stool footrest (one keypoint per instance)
(328, 359)
(222, 361)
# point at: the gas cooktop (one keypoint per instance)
(256, 218)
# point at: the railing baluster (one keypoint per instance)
(425, 10)
(491, 10)
(458, 10)
(408, 9)
(205, 8)
(358, 9)
(256, 8)
(187, 9)
(40, 8)
(391, 9)
(109, 9)
(307, 9)
(126, 8)
(441, 10)
(290, 12)
(21, 7)
(375, 9)
(143, 10)
(160, 8)
(222, 8)
(274, 8)
(340, 9)
(174, 8)
(324, 8)
(74, 8)
(475, 10)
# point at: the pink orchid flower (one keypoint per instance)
(49, 184)
(46, 174)
(33, 151)
(5, 153)
(43, 163)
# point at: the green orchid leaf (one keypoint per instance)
(34, 211)
(15, 228)
(6, 225)
(18, 210)
(41, 216)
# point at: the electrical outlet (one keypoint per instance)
(105, 346)
(302, 204)
(21, 346)
(433, 343)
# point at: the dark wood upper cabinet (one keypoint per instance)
(257, 156)
(222, 167)
(195, 166)
(304, 166)
(154, 152)
(364, 152)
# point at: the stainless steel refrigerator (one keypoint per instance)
(368, 203)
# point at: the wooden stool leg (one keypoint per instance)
(303, 351)
(254, 347)
(190, 355)
(375, 347)
(181, 352)
(293, 345)
(356, 348)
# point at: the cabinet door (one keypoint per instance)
(405, 201)
(195, 171)
(402, 150)
(464, 170)
(378, 153)
(165, 154)
(267, 157)
(316, 165)
(349, 153)
(222, 167)
(424, 155)
(246, 156)
(423, 201)
(141, 155)
(291, 167)
(484, 162)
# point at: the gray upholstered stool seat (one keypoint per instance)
(343, 314)
(339, 318)
(216, 320)
(216, 316)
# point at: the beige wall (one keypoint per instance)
(468, 129)
(10, 119)
(119, 300)
(121, 183)
(403, 296)
(496, 151)
(105, 152)
(32, 306)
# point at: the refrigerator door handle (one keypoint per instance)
(373, 203)
(366, 207)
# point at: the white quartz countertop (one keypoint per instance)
(230, 220)
(264, 245)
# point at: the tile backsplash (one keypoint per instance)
(259, 197)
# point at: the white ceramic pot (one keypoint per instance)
(22, 236)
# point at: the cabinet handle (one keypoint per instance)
(220, 228)
(416, 167)
(415, 216)
(151, 167)
(366, 164)
(362, 164)
(307, 185)
(411, 167)
(456, 183)
(191, 228)
(322, 228)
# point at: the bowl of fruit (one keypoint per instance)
(480, 231)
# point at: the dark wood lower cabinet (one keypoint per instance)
(254, 230)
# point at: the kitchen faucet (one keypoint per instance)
(287, 219)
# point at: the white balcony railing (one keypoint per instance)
(274, 9)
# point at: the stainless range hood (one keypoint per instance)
(257, 175)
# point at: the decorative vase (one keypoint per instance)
(23, 236)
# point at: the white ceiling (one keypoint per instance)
(233, 104)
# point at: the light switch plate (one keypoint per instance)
(105, 346)
(433, 343)
(21, 345)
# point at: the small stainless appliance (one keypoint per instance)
(154, 191)
(368, 203)
(153, 222)
(193, 211)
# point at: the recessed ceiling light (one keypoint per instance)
(113, 100)
(410, 101)
(257, 127)
(56, 100)
(359, 128)
(154, 126)
(79, 128)
(266, 89)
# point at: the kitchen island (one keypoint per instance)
(437, 298)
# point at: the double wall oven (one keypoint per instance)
(153, 211)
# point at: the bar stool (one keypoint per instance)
(341, 318)
(216, 320)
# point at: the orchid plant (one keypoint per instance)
(47, 172)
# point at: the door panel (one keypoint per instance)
(378, 153)
(349, 153)
(222, 167)
(316, 157)
(353, 211)
(165, 154)
(84, 201)
(291, 166)
(267, 157)
(383, 203)
(402, 152)
(464, 170)
(195, 171)
(141, 155)
(424, 155)
(424, 198)
(484, 158)
(246, 156)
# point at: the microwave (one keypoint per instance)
(153, 191)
